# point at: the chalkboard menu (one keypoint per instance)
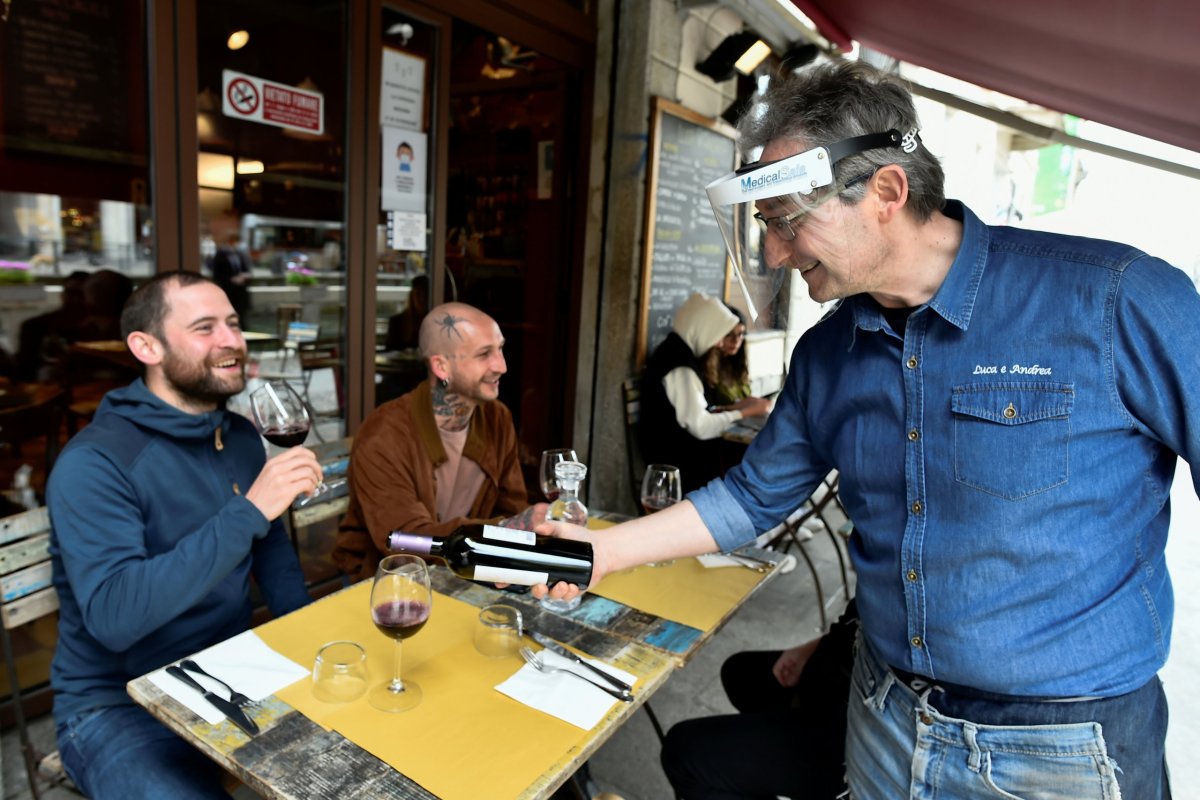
(683, 251)
(74, 80)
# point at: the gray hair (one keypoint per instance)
(830, 102)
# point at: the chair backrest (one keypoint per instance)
(301, 332)
(631, 399)
(25, 587)
(42, 417)
(27, 594)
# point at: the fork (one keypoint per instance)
(535, 661)
(235, 697)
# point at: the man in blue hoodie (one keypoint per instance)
(162, 508)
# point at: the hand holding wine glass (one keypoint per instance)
(282, 418)
(291, 473)
(547, 477)
(401, 600)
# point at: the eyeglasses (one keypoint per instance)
(782, 225)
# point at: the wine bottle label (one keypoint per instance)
(522, 577)
(533, 556)
(511, 535)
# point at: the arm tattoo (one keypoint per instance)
(453, 413)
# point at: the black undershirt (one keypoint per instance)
(897, 318)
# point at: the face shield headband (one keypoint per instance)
(796, 185)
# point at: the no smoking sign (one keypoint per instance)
(254, 99)
(242, 96)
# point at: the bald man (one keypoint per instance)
(442, 455)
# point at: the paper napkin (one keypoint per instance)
(244, 662)
(561, 695)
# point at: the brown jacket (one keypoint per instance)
(391, 477)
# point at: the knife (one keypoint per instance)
(235, 714)
(553, 646)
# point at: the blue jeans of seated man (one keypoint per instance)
(123, 753)
(939, 743)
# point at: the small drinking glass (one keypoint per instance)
(546, 476)
(498, 633)
(661, 487)
(340, 672)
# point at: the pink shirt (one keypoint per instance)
(458, 479)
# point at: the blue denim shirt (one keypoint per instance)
(1006, 461)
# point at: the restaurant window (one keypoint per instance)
(75, 224)
(76, 231)
(271, 129)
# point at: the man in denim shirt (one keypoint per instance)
(1005, 408)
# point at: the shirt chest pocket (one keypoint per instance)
(1012, 439)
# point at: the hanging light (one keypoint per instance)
(237, 40)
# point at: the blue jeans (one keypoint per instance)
(123, 753)
(944, 742)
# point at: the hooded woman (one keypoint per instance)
(676, 426)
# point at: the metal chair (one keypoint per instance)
(799, 528)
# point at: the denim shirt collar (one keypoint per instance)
(955, 298)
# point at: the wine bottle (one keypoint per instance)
(491, 554)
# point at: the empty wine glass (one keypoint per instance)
(282, 418)
(401, 600)
(661, 487)
(549, 481)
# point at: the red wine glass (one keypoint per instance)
(547, 477)
(282, 418)
(400, 603)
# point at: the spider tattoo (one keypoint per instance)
(448, 324)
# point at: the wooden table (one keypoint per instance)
(295, 757)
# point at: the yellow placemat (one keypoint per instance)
(683, 591)
(466, 740)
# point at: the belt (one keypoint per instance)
(919, 683)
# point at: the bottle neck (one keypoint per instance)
(413, 543)
(568, 487)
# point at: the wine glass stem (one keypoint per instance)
(397, 685)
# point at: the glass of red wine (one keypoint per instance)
(282, 418)
(547, 476)
(400, 603)
(661, 487)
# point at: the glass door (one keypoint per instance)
(271, 125)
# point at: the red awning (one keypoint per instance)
(1131, 64)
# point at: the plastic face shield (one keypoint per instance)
(772, 200)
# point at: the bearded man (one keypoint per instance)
(161, 510)
(441, 456)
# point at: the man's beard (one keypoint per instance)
(196, 382)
